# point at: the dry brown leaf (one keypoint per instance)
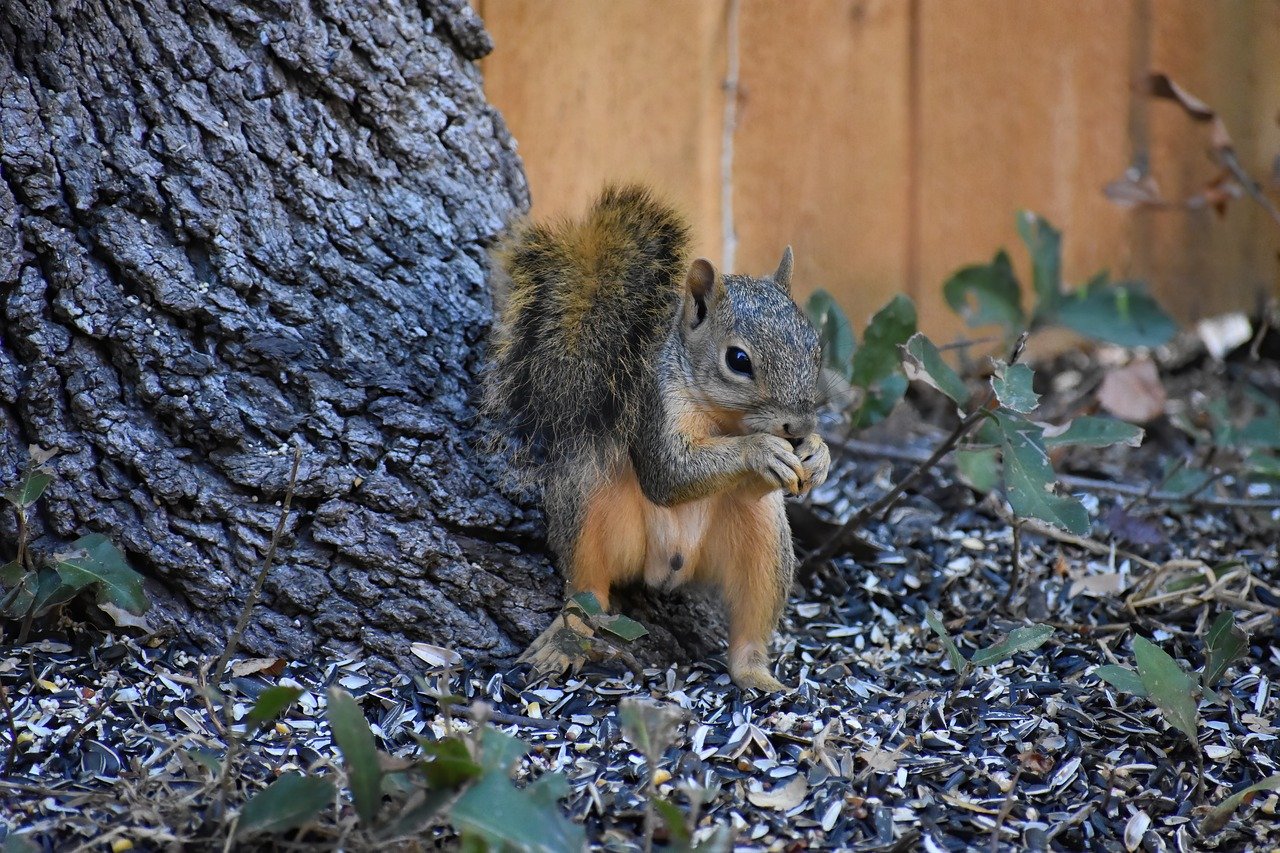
(1134, 392)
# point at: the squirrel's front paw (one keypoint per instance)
(773, 459)
(815, 459)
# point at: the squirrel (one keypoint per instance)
(662, 407)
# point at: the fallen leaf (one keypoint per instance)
(124, 619)
(1134, 392)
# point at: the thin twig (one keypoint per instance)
(1005, 809)
(11, 752)
(858, 447)
(252, 599)
(1227, 157)
(833, 545)
(1269, 309)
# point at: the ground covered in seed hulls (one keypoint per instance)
(113, 742)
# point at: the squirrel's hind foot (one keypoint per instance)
(758, 677)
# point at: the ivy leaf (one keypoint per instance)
(1122, 678)
(1012, 384)
(891, 326)
(1018, 640)
(94, 560)
(498, 814)
(286, 803)
(449, 765)
(1121, 314)
(29, 490)
(1169, 687)
(587, 603)
(987, 294)
(51, 591)
(622, 627)
(1090, 431)
(1029, 477)
(1044, 242)
(355, 739)
(270, 704)
(835, 332)
(979, 469)
(922, 361)
(1225, 643)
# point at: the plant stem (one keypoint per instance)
(234, 640)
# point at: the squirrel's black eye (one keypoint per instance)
(738, 361)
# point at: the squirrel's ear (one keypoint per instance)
(782, 277)
(701, 282)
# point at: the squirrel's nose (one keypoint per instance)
(797, 428)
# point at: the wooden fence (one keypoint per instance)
(891, 141)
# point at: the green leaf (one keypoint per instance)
(979, 469)
(834, 331)
(1261, 432)
(1260, 464)
(496, 812)
(1225, 643)
(922, 361)
(1029, 477)
(987, 294)
(958, 663)
(271, 703)
(587, 603)
(1169, 687)
(1120, 314)
(94, 560)
(12, 574)
(622, 627)
(1012, 385)
(206, 758)
(449, 765)
(1018, 640)
(1122, 678)
(51, 592)
(499, 751)
(1216, 819)
(1089, 431)
(17, 602)
(29, 490)
(891, 326)
(879, 401)
(420, 810)
(673, 819)
(355, 739)
(286, 803)
(1044, 242)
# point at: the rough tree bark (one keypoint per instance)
(233, 227)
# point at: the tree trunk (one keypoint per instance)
(232, 228)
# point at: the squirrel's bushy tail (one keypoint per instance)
(586, 304)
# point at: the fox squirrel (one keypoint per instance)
(662, 407)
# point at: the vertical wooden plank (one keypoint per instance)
(1228, 55)
(821, 150)
(623, 90)
(1022, 105)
